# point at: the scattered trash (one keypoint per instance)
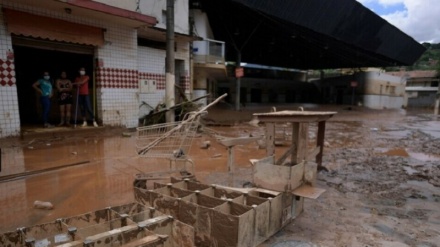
(74, 153)
(48, 144)
(126, 134)
(216, 156)
(254, 122)
(43, 205)
(178, 153)
(205, 145)
(248, 184)
(374, 129)
(30, 147)
(261, 144)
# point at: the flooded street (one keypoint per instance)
(382, 176)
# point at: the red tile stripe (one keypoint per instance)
(159, 78)
(117, 78)
(126, 78)
(7, 73)
(184, 82)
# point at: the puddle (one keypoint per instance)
(401, 152)
(410, 170)
(397, 152)
(424, 157)
(428, 191)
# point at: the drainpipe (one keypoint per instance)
(170, 67)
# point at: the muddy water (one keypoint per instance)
(94, 181)
(99, 172)
(382, 184)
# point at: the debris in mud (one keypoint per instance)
(205, 145)
(43, 205)
(126, 134)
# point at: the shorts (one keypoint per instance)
(65, 99)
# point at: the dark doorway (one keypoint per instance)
(256, 95)
(30, 63)
(243, 96)
(290, 96)
(223, 90)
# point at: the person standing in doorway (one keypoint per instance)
(64, 87)
(44, 88)
(83, 99)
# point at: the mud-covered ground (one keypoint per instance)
(382, 180)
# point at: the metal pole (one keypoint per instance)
(238, 83)
(437, 100)
(352, 95)
(170, 68)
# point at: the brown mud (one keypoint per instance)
(382, 184)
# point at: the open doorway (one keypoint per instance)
(30, 62)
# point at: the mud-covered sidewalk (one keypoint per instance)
(382, 180)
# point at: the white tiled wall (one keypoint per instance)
(200, 93)
(119, 107)
(151, 60)
(9, 115)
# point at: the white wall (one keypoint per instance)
(118, 106)
(383, 102)
(151, 61)
(157, 8)
(202, 29)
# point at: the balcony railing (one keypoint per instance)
(209, 51)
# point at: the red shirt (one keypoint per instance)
(83, 88)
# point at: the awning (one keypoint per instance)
(112, 11)
(308, 34)
(29, 25)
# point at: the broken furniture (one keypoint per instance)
(297, 177)
(230, 143)
(221, 216)
(127, 225)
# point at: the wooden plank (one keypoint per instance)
(269, 176)
(295, 143)
(146, 241)
(310, 171)
(296, 176)
(281, 160)
(270, 139)
(228, 142)
(312, 155)
(320, 142)
(303, 141)
(308, 191)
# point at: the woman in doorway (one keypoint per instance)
(64, 87)
(44, 88)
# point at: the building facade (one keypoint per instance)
(120, 43)
(372, 88)
(422, 87)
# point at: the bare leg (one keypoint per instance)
(62, 108)
(68, 109)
